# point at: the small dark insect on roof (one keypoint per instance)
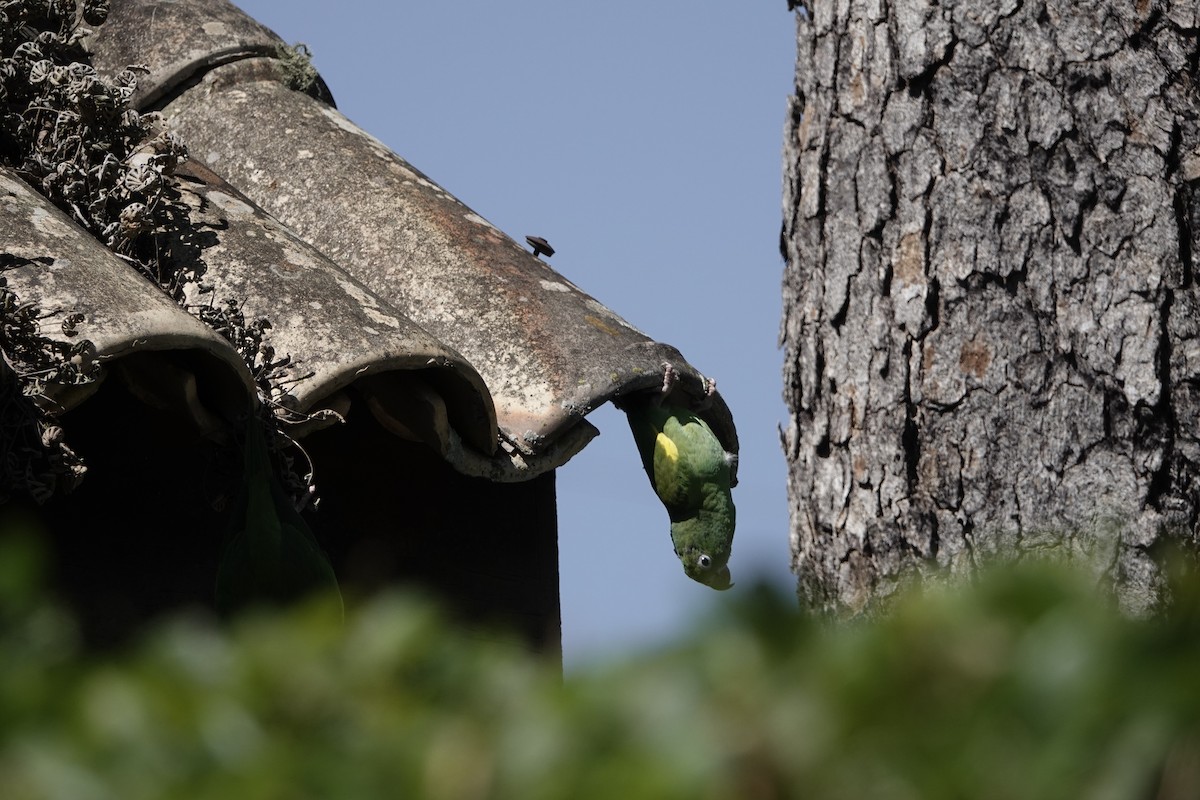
(540, 246)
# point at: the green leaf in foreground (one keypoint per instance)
(1025, 684)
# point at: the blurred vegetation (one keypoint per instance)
(1026, 684)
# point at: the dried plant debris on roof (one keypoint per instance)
(35, 461)
(501, 356)
(72, 135)
(295, 64)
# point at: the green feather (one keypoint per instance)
(691, 474)
(271, 555)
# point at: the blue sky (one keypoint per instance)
(642, 138)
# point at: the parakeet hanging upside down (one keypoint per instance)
(271, 555)
(691, 473)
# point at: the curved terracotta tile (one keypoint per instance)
(548, 351)
(168, 357)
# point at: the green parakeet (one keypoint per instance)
(271, 555)
(691, 473)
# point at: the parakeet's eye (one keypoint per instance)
(704, 562)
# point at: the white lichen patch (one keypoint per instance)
(285, 271)
(11, 185)
(40, 217)
(292, 323)
(233, 207)
(554, 286)
(471, 216)
(341, 121)
(301, 258)
(367, 302)
(408, 176)
(51, 224)
(237, 96)
(529, 400)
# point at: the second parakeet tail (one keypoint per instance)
(271, 555)
(692, 474)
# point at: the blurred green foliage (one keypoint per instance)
(1025, 684)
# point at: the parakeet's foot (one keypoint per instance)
(710, 389)
(670, 378)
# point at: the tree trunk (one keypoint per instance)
(991, 319)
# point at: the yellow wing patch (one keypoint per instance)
(664, 447)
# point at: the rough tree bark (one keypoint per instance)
(991, 319)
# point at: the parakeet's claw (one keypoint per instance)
(710, 389)
(669, 379)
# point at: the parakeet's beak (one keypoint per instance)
(719, 580)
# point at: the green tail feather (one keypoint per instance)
(271, 555)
